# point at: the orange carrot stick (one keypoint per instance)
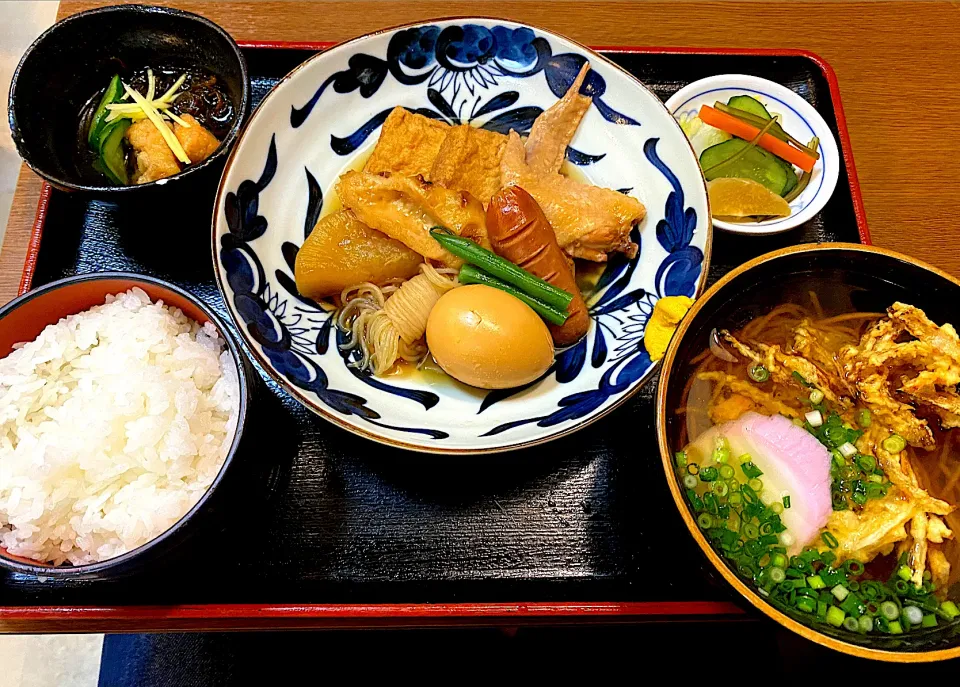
(737, 127)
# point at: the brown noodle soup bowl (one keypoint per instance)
(846, 277)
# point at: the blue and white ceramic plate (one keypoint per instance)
(798, 117)
(497, 75)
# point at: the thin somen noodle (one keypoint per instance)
(387, 323)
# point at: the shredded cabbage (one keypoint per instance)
(701, 135)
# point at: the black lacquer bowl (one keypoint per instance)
(75, 58)
(23, 318)
(846, 278)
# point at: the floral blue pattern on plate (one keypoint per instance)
(326, 115)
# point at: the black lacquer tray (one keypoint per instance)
(323, 528)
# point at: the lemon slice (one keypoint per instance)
(743, 198)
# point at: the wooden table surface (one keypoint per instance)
(896, 63)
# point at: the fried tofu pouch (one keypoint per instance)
(407, 208)
(198, 143)
(469, 160)
(342, 251)
(462, 158)
(409, 144)
(153, 156)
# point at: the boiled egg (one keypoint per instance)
(486, 338)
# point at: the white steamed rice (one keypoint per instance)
(113, 424)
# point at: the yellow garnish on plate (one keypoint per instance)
(666, 315)
(742, 198)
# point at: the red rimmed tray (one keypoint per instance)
(573, 542)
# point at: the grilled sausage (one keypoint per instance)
(520, 232)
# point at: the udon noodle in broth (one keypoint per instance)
(820, 462)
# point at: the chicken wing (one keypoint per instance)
(406, 208)
(551, 133)
(589, 221)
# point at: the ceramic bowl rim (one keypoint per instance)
(226, 145)
(316, 408)
(666, 456)
(823, 195)
(244, 380)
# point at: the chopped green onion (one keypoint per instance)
(894, 443)
(901, 587)
(867, 463)
(705, 520)
(800, 378)
(690, 481)
(949, 609)
(889, 610)
(929, 620)
(756, 485)
(853, 567)
(502, 269)
(912, 615)
(745, 458)
(835, 616)
(758, 373)
(806, 604)
(778, 560)
(814, 418)
(719, 488)
(839, 592)
(776, 507)
(816, 396)
(851, 624)
(749, 530)
(681, 458)
(750, 470)
(708, 474)
(866, 623)
(863, 418)
(895, 628)
(726, 471)
(786, 501)
(472, 275)
(904, 573)
(829, 539)
(853, 606)
(815, 582)
(735, 499)
(847, 449)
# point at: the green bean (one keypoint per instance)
(471, 275)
